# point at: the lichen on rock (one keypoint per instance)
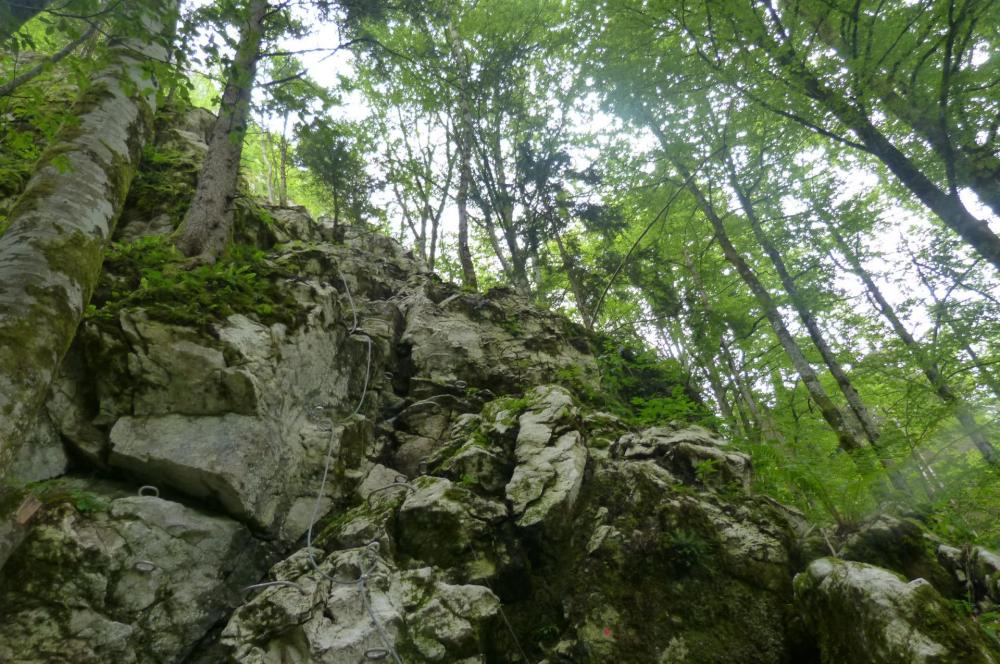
(357, 460)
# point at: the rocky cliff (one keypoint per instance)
(317, 451)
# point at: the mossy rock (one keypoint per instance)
(151, 274)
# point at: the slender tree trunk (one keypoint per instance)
(760, 419)
(948, 207)
(929, 367)
(854, 401)
(847, 438)
(283, 164)
(207, 227)
(52, 246)
(432, 258)
(56, 57)
(518, 256)
(265, 147)
(463, 140)
(579, 292)
(718, 390)
(15, 13)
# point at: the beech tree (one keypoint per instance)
(805, 86)
(205, 232)
(52, 245)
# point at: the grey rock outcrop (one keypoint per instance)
(125, 579)
(865, 614)
(428, 476)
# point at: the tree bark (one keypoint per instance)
(265, 149)
(854, 401)
(15, 13)
(52, 246)
(927, 365)
(948, 207)
(463, 140)
(283, 164)
(579, 292)
(207, 227)
(847, 438)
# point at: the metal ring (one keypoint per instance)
(461, 384)
(155, 492)
(144, 566)
(400, 479)
(376, 653)
(387, 375)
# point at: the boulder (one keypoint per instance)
(126, 579)
(233, 460)
(368, 611)
(864, 614)
(903, 546)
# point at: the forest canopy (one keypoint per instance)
(792, 205)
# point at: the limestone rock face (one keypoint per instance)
(901, 545)
(355, 606)
(551, 458)
(863, 614)
(133, 579)
(408, 472)
(693, 453)
(494, 341)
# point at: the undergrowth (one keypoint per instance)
(640, 387)
(150, 273)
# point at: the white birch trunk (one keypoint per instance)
(53, 244)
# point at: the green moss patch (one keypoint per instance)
(165, 184)
(150, 273)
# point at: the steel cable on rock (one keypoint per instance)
(372, 548)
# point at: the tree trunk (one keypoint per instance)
(948, 207)
(929, 367)
(757, 416)
(14, 14)
(854, 402)
(432, 252)
(52, 246)
(208, 225)
(56, 57)
(265, 148)
(463, 140)
(579, 293)
(283, 165)
(848, 439)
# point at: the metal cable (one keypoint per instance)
(372, 548)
